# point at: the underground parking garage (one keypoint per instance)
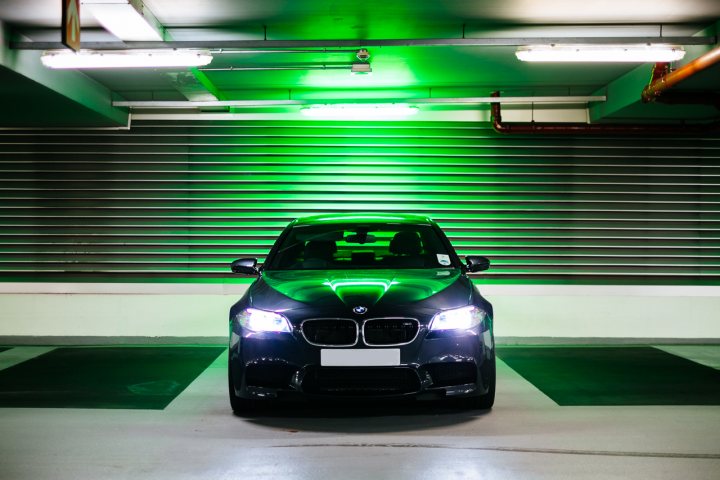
(361, 240)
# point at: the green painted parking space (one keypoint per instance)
(147, 377)
(598, 376)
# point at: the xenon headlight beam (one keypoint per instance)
(262, 321)
(457, 319)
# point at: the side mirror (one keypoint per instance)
(477, 263)
(246, 266)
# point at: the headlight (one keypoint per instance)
(457, 319)
(262, 321)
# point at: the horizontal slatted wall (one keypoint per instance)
(177, 201)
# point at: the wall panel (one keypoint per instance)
(176, 202)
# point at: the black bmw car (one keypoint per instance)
(361, 305)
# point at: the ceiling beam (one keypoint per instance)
(409, 42)
(577, 99)
(72, 85)
(624, 94)
(193, 84)
(621, 93)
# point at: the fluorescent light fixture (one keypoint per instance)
(600, 53)
(361, 68)
(125, 58)
(354, 111)
(126, 19)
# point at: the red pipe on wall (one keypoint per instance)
(591, 128)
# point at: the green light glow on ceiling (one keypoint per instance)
(359, 111)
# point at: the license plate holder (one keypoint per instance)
(360, 357)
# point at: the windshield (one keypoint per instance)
(338, 247)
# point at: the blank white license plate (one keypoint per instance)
(359, 357)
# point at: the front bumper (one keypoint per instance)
(275, 365)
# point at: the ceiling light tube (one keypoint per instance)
(600, 53)
(59, 59)
(128, 20)
(352, 111)
(163, 104)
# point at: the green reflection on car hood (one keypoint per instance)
(361, 287)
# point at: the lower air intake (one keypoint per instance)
(361, 381)
(269, 375)
(452, 373)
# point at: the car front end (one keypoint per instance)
(357, 332)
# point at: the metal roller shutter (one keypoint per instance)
(177, 201)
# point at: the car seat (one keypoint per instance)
(406, 250)
(318, 253)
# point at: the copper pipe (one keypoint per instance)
(661, 83)
(659, 70)
(592, 128)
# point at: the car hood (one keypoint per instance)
(369, 288)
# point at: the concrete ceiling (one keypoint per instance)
(398, 71)
(382, 14)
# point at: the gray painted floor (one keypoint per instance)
(526, 436)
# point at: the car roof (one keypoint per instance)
(355, 218)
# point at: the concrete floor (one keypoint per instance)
(526, 436)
